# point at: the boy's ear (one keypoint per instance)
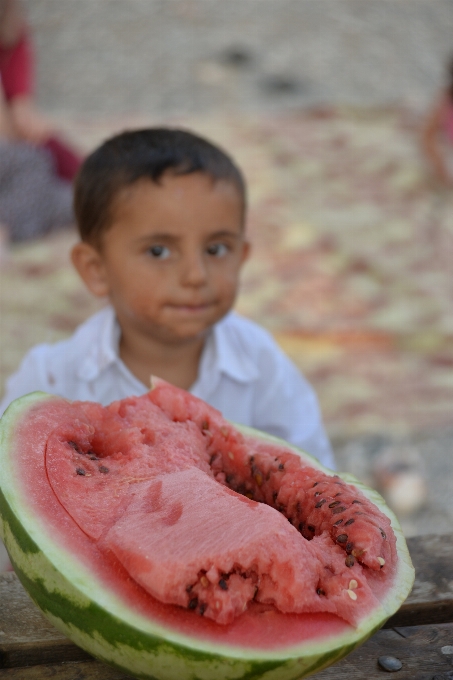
(89, 263)
(246, 248)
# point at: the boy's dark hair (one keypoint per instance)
(142, 154)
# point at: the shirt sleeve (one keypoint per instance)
(286, 406)
(17, 68)
(30, 377)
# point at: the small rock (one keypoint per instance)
(390, 663)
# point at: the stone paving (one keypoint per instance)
(351, 270)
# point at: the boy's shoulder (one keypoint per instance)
(89, 341)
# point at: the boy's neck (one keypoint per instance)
(177, 364)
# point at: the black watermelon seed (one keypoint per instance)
(193, 603)
(356, 501)
(229, 479)
(383, 534)
(223, 584)
(311, 528)
(93, 457)
(350, 561)
(337, 494)
(103, 469)
(336, 511)
(317, 493)
(281, 466)
(315, 484)
(202, 609)
(390, 663)
(338, 522)
(80, 471)
(320, 503)
(320, 591)
(350, 521)
(75, 446)
(342, 538)
(212, 458)
(349, 547)
(334, 504)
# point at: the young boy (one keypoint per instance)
(161, 216)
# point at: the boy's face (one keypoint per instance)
(170, 260)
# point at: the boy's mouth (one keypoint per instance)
(192, 308)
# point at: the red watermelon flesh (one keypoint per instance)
(94, 462)
(193, 542)
(313, 501)
(132, 477)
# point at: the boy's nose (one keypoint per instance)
(194, 271)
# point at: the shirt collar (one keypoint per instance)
(222, 353)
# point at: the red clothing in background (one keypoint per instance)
(17, 68)
(18, 79)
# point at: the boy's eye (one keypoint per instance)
(161, 252)
(217, 249)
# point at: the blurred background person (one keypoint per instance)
(36, 166)
(437, 136)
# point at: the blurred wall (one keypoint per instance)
(172, 56)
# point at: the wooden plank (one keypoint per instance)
(431, 599)
(26, 638)
(419, 648)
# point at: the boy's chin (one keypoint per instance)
(191, 328)
(181, 336)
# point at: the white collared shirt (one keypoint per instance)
(243, 373)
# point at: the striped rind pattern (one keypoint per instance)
(79, 605)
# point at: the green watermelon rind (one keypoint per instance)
(78, 604)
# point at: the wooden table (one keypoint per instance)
(420, 635)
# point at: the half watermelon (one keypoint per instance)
(173, 545)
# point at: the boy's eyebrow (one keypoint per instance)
(165, 236)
